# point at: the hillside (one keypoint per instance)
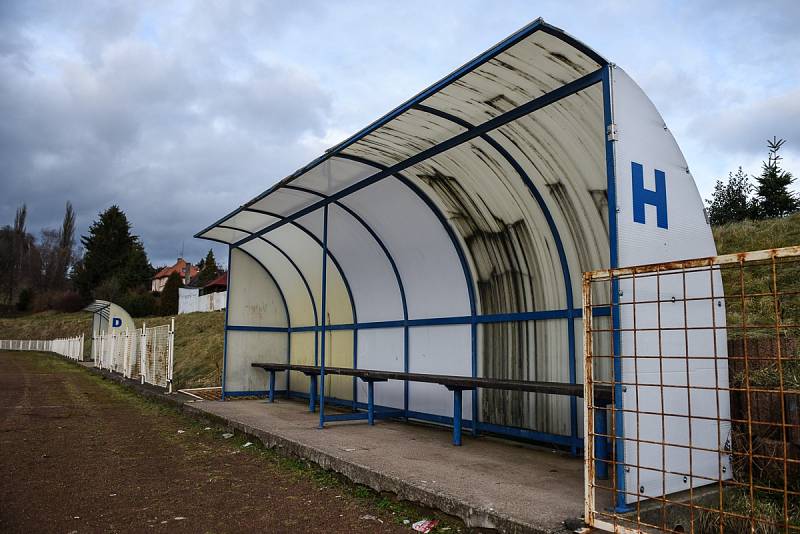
(757, 235)
(757, 280)
(198, 339)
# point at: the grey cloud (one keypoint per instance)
(745, 128)
(176, 136)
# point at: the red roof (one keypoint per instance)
(179, 267)
(221, 280)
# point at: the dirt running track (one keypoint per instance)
(78, 455)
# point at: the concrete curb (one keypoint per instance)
(359, 474)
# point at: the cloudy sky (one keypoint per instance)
(180, 111)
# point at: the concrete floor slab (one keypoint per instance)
(487, 482)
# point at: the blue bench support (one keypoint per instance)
(457, 416)
(312, 393)
(272, 386)
(371, 397)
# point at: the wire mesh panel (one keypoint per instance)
(146, 354)
(702, 433)
(156, 356)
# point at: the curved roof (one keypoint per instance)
(483, 194)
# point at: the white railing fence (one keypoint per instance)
(146, 354)
(69, 347)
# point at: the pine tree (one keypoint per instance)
(111, 251)
(209, 269)
(772, 192)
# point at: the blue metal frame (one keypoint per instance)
(512, 432)
(225, 337)
(324, 303)
(545, 315)
(619, 421)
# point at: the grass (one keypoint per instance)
(198, 347)
(766, 507)
(757, 235)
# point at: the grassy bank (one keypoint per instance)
(198, 339)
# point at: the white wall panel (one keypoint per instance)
(244, 348)
(301, 311)
(375, 289)
(432, 274)
(254, 300)
(673, 227)
(439, 350)
(382, 350)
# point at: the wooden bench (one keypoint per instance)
(456, 384)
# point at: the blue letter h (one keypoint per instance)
(642, 196)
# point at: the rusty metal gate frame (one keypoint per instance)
(618, 517)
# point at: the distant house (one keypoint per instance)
(216, 285)
(185, 270)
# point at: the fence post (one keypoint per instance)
(143, 352)
(170, 353)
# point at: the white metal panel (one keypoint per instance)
(645, 140)
(301, 311)
(534, 66)
(382, 350)
(374, 285)
(407, 135)
(428, 264)
(334, 174)
(307, 254)
(285, 201)
(439, 350)
(225, 235)
(244, 348)
(250, 220)
(254, 300)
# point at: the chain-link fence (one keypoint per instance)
(702, 433)
(70, 347)
(146, 354)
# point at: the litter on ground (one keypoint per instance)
(425, 525)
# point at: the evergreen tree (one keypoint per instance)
(730, 202)
(209, 269)
(169, 296)
(772, 192)
(111, 251)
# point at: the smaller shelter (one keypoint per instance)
(108, 317)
